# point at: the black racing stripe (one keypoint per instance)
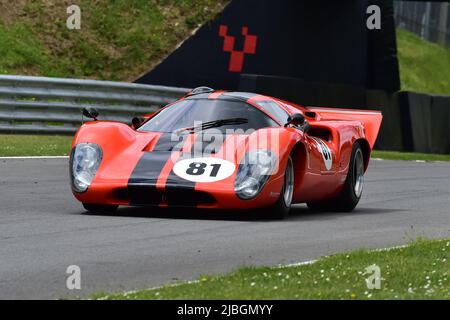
(177, 188)
(207, 144)
(141, 187)
(170, 142)
(149, 167)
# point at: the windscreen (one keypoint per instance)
(191, 112)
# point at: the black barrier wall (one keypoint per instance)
(324, 41)
(428, 116)
(302, 92)
(391, 135)
(382, 67)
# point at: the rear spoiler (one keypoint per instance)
(370, 119)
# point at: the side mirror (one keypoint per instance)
(136, 122)
(90, 113)
(297, 119)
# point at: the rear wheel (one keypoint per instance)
(100, 209)
(351, 193)
(282, 207)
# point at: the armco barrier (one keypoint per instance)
(53, 105)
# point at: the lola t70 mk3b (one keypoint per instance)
(225, 150)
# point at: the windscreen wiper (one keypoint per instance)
(214, 124)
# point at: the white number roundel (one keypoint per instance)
(204, 169)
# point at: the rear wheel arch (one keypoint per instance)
(349, 196)
(364, 144)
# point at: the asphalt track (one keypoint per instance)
(43, 230)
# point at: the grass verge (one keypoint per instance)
(34, 145)
(118, 40)
(424, 66)
(418, 271)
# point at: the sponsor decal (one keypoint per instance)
(326, 153)
(204, 169)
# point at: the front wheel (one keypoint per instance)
(100, 209)
(281, 208)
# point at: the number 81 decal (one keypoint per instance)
(204, 169)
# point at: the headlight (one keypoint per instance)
(253, 173)
(84, 162)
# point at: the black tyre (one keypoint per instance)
(100, 209)
(281, 208)
(349, 197)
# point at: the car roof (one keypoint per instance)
(247, 97)
(289, 107)
(228, 95)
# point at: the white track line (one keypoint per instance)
(127, 293)
(296, 264)
(34, 157)
(308, 262)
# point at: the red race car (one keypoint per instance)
(225, 150)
